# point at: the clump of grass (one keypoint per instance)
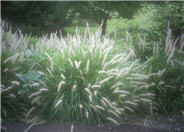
(168, 62)
(11, 106)
(78, 79)
(14, 60)
(86, 80)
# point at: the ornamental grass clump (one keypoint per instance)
(12, 61)
(86, 80)
(167, 63)
(77, 79)
(15, 62)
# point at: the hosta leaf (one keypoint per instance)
(35, 84)
(25, 85)
(21, 77)
(37, 76)
(29, 76)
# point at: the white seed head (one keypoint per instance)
(87, 66)
(105, 80)
(99, 107)
(90, 98)
(88, 91)
(63, 76)
(95, 86)
(113, 120)
(58, 102)
(36, 93)
(72, 127)
(51, 61)
(41, 73)
(87, 114)
(131, 102)
(95, 93)
(70, 62)
(80, 106)
(114, 113)
(128, 108)
(77, 64)
(12, 95)
(15, 83)
(50, 72)
(5, 70)
(43, 89)
(29, 112)
(59, 86)
(146, 100)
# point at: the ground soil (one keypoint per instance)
(20, 127)
(133, 124)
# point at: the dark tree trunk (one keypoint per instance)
(104, 24)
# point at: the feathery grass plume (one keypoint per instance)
(80, 106)
(70, 62)
(51, 61)
(114, 113)
(90, 98)
(50, 72)
(116, 85)
(88, 91)
(58, 102)
(41, 73)
(59, 86)
(63, 76)
(16, 83)
(30, 126)
(35, 99)
(128, 108)
(95, 92)
(105, 80)
(113, 120)
(131, 102)
(95, 86)
(99, 107)
(12, 95)
(28, 113)
(117, 90)
(72, 127)
(77, 64)
(87, 66)
(87, 114)
(36, 93)
(43, 89)
(146, 100)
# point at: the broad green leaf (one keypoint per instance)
(21, 77)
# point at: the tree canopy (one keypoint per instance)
(52, 16)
